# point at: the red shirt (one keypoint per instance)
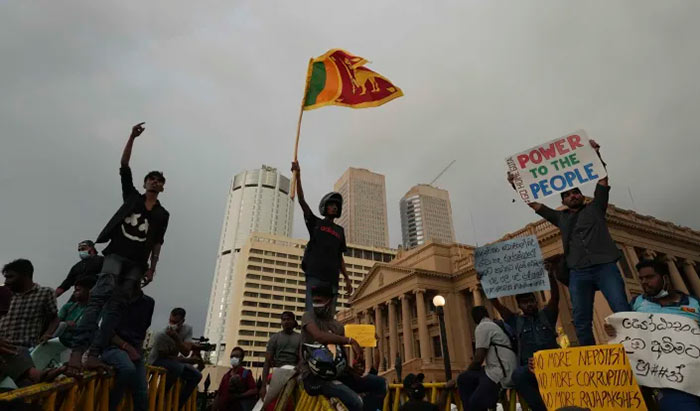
(224, 398)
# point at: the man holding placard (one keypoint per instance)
(590, 254)
(535, 330)
(660, 298)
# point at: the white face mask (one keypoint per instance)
(235, 361)
(663, 293)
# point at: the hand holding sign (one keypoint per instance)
(663, 349)
(554, 167)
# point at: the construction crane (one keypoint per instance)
(442, 172)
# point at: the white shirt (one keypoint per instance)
(488, 333)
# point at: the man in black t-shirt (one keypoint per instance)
(135, 233)
(323, 259)
(89, 266)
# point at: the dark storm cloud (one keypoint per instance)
(219, 84)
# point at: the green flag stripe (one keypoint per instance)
(316, 83)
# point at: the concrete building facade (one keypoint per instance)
(258, 201)
(397, 297)
(269, 280)
(364, 216)
(426, 215)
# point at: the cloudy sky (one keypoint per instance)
(219, 85)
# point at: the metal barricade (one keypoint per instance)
(91, 393)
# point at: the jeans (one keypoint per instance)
(129, 375)
(312, 282)
(477, 391)
(348, 388)
(110, 296)
(582, 287)
(674, 400)
(526, 385)
(188, 374)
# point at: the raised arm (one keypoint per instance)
(126, 154)
(505, 312)
(603, 181)
(300, 192)
(553, 303)
(534, 205)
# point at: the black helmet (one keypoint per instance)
(321, 361)
(332, 197)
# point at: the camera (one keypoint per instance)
(203, 344)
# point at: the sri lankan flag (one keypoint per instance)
(339, 78)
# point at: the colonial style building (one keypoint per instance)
(397, 296)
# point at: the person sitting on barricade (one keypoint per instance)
(30, 320)
(534, 330)
(660, 298)
(414, 388)
(125, 355)
(324, 369)
(283, 355)
(479, 387)
(56, 350)
(168, 344)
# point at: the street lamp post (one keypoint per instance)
(439, 302)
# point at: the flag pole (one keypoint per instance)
(293, 188)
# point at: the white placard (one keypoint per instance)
(555, 166)
(663, 349)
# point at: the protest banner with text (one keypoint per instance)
(663, 349)
(595, 377)
(554, 167)
(362, 333)
(511, 267)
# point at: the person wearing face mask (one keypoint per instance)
(88, 267)
(237, 391)
(660, 298)
(171, 349)
(318, 327)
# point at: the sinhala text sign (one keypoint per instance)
(664, 349)
(556, 166)
(511, 267)
(595, 377)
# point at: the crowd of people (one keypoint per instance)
(104, 324)
(506, 348)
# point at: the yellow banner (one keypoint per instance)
(596, 377)
(362, 333)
